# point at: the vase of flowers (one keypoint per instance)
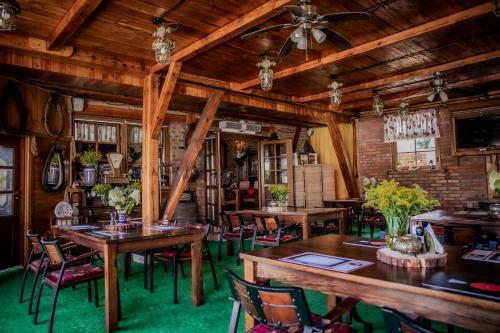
(124, 199)
(89, 161)
(280, 193)
(398, 203)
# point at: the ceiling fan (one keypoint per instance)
(439, 88)
(310, 24)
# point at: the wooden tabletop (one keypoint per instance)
(348, 200)
(290, 211)
(459, 218)
(382, 284)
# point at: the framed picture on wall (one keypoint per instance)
(313, 158)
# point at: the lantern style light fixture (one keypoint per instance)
(403, 108)
(163, 46)
(266, 74)
(377, 106)
(8, 11)
(335, 93)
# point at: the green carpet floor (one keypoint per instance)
(142, 311)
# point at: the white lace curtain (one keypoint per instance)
(415, 125)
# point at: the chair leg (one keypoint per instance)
(151, 273)
(235, 316)
(126, 266)
(53, 310)
(214, 274)
(183, 273)
(219, 252)
(145, 269)
(238, 250)
(96, 294)
(89, 291)
(368, 327)
(33, 287)
(372, 230)
(37, 307)
(25, 275)
(174, 279)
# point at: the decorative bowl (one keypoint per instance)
(407, 244)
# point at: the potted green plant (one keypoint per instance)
(124, 199)
(89, 161)
(494, 182)
(398, 203)
(102, 191)
(279, 192)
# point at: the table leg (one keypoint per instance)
(196, 272)
(250, 275)
(342, 222)
(230, 248)
(331, 301)
(111, 287)
(306, 228)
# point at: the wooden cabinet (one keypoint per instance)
(276, 157)
(313, 183)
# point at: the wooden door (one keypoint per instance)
(212, 177)
(9, 201)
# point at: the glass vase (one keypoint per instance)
(396, 227)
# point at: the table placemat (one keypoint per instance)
(479, 288)
(106, 233)
(366, 242)
(80, 227)
(161, 227)
(323, 261)
(483, 255)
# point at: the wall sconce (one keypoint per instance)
(377, 106)
(335, 93)
(163, 46)
(266, 74)
(8, 11)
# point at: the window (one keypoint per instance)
(415, 154)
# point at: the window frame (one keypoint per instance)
(437, 162)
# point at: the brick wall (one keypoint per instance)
(457, 180)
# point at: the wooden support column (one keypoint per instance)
(342, 156)
(194, 148)
(296, 137)
(150, 164)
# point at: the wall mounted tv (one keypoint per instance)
(477, 134)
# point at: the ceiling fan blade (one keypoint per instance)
(286, 48)
(465, 90)
(346, 16)
(296, 11)
(261, 31)
(336, 39)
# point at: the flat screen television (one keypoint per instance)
(480, 133)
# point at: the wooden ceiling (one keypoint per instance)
(116, 35)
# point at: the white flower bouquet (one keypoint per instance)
(125, 198)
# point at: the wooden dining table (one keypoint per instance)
(303, 216)
(139, 239)
(381, 284)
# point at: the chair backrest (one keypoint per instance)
(53, 252)
(464, 236)
(266, 223)
(233, 221)
(396, 322)
(278, 307)
(34, 240)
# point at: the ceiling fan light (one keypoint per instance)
(297, 35)
(302, 43)
(443, 96)
(266, 76)
(377, 106)
(431, 97)
(318, 35)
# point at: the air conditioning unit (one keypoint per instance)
(239, 127)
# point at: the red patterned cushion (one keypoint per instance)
(78, 273)
(36, 263)
(247, 233)
(373, 219)
(170, 254)
(271, 238)
(336, 327)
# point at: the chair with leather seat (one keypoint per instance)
(396, 322)
(373, 219)
(234, 230)
(72, 271)
(270, 232)
(282, 309)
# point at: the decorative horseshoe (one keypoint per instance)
(12, 90)
(54, 100)
(53, 170)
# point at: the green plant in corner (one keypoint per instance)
(279, 191)
(90, 157)
(398, 203)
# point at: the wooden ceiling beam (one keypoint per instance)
(167, 91)
(230, 30)
(418, 74)
(398, 37)
(70, 23)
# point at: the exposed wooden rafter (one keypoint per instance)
(194, 148)
(401, 36)
(70, 23)
(421, 73)
(230, 30)
(167, 91)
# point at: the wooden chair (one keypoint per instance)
(234, 230)
(282, 309)
(269, 231)
(36, 264)
(324, 227)
(396, 322)
(373, 220)
(72, 271)
(176, 256)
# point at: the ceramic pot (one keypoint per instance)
(122, 216)
(407, 244)
(89, 175)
